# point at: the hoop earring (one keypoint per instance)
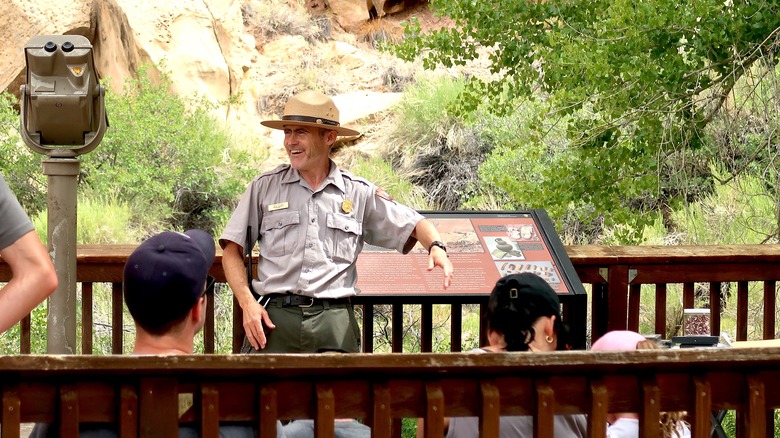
(549, 339)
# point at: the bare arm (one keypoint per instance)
(426, 233)
(33, 279)
(421, 427)
(254, 314)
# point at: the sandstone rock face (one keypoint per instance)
(201, 45)
(204, 46)
(24, 19)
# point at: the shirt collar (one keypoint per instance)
(335, 177)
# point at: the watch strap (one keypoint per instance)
(436, 243)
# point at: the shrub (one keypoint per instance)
(166, 157)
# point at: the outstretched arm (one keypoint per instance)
(33, 279)
(426, 233)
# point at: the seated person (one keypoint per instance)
(166, 285)
(523, 314)
(32, 273)
(626, 424)
(343, 427)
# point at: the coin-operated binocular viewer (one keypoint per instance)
(63, 115)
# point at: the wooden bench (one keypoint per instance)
(141, 395)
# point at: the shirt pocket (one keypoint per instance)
(279, 233)
(343, 236)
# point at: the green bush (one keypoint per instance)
(166, 157)
(382, 174)
(432, 145)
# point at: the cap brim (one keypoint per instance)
(282, 124)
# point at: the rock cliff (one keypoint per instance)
(216, 49)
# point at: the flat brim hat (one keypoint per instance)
(311, 108)
(166, 275)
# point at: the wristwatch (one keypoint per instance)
(436, 243)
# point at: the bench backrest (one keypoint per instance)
(151, 395)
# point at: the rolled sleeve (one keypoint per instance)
(390, 225)
(247, 214)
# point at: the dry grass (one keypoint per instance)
(269, 19)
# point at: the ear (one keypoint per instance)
(198, 311)
(549, 327)
(330, 137)
(495, 338)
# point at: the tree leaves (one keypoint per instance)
(635, 82)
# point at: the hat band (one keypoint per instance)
(308, 119)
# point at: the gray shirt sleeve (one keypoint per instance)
(14, 222)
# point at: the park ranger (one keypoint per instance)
(312, 219)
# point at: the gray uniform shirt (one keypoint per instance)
(310, 238)
(14, 222)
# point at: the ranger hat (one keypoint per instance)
(310, 108)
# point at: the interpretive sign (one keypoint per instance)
(483, 246)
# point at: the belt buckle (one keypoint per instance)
(311, 302)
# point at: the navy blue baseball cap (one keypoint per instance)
(166, 275)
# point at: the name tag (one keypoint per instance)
(279, 206)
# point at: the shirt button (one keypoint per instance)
(312, 221)
(347, 228)
(280, 224)
(310, 245)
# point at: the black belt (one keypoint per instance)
(288, 300)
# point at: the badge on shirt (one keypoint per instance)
(279, 206)
(384, 195)
(346, 206)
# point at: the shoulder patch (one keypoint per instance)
(384, 195)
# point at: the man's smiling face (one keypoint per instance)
(308, 148)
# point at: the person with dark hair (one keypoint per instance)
(523, 314)
(166, 285)
(32, 273)
(311, 219)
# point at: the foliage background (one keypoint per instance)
(623, 97)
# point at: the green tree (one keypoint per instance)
(635, 83)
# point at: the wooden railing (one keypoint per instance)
(143, 395)
(616, 276)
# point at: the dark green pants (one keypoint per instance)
(322, 326)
